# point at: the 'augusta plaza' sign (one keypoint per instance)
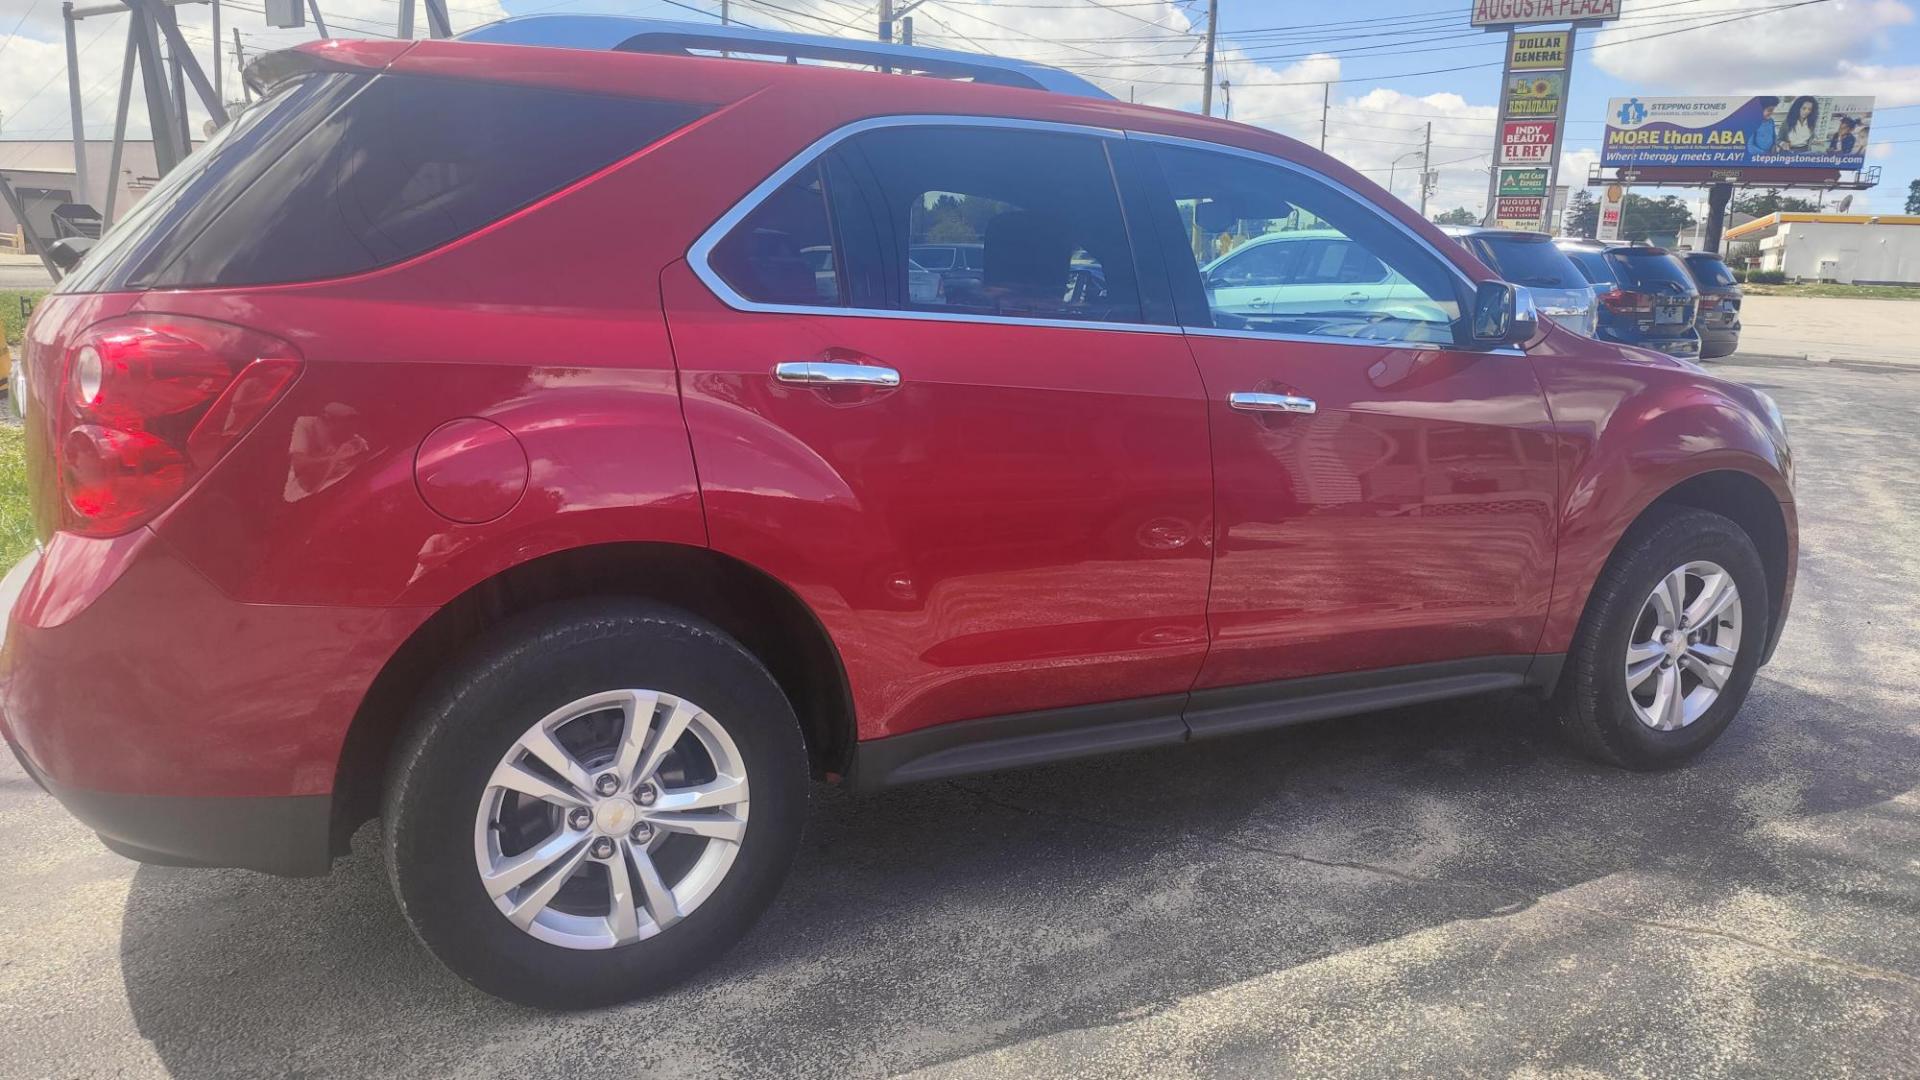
(1515, 12)
(1533, 101)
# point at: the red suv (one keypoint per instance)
(533, 441)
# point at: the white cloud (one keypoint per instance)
(1826, 47)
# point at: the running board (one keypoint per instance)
(1034, 738)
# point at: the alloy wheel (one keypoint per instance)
(611, 819)
(1683, 646)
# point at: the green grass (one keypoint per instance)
(16, 521)
(10, 310)
(1849, 292)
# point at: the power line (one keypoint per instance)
(1494, 64)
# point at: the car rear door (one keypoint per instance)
(1383, 498)
(995, 500)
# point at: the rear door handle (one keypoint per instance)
(1247, 401)
(822, 373)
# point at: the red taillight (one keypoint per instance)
(1625, 302)
(149, 403)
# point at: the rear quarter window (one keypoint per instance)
(406, 165)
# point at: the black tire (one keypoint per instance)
(1592, 699)
(534, 664)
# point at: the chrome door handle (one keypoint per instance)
(821, 373)
(1356, 298)
(1247, 401)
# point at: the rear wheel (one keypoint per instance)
(1670, 644)
(597, 804)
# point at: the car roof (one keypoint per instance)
(1462, 231)
(1609, 247)
(627, 33)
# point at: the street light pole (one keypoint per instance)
(1393, 170)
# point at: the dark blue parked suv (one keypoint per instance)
(1647, 297)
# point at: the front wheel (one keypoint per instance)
(1670, 643)
(598, 803)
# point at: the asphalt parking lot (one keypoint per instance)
(1436, 891)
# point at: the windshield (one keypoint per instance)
(1651, 271)
(1524, 261)
(1591, 264)
(1710, 271)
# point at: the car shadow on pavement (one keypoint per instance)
(934, 922)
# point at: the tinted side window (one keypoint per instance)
(1033, 219)
(1339, 269)
(407, 165)
(782, 253)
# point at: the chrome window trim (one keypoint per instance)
(701, 250)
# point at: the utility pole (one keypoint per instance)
(1326, 104)
(217, 89)
(723, 12)
(1206, 79)
(1426, 168)
(886, 20)
(906, 30)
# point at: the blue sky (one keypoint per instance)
(1380, 107)
(1275, 53)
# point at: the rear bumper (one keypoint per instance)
(290, 836)
(1719, 341)
(182, 725)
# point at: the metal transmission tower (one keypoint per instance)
(438, 25)
(151, 27)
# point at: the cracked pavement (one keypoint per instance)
(1436, 891)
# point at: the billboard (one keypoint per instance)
(1785, 130)
(1538, 51)
(1513, 12)
(1536, 93)
(1527, 142)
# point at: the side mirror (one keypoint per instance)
(1504, 314)
(66, 253)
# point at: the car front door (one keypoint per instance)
(1383, 497)
(995, 499)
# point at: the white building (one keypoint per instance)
(1855, 249)
(41, 171)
